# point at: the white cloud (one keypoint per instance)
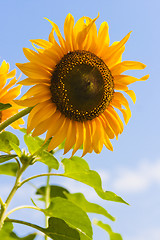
(151, 234)
(139, 179)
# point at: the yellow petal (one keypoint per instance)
(3, 91)
(30, 102)
(38, 89)
(30, 81)
(11, 94)
(90, 43)
(57, 49)
(115, 58)
(79, 137)
(71, 136)
(132, 95)
(109, 51)
(68, 31)
(98, 137)
(86, 137)
(58, 33)
(107, 143)
(60, 136)
(107, 127)
(4, 68)
(40, 113)
(42, 127)
(125, 79)
(126, 115)
(121, 87)
(57, 121)
(103, 36)
(113, 122)
(11, 74)
(41, 43)
(81, 30)
(39, 58)
(126, 65)
(32, 70)
(122, 100)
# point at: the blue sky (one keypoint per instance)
(132, 170)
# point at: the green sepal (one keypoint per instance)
(108, 229)
(77, 168)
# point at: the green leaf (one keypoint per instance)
(7, 233)
(4, 106)
(73, 215)
(5, 139)
(23, 130)
(58, 229)
(9, 169)
(55, 191)
(28, 237)
(4, 158)
(61, 146)
(33, 143)
(108, 229)
(16, 149)
(78, 169)
(80, 200)
(36, 146)
(48, 159)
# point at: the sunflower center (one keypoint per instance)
(82, 85)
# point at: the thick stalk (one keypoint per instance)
(13, 191)
(15, 118)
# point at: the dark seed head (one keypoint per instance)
(82, 86)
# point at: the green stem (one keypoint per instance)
(13, 191)
(43, 175)
(15, 118)
(2, 205)
(1, 202)
(21, 207)
(25, 223)
(47, 199)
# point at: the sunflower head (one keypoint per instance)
(7, 96)
(78, 85)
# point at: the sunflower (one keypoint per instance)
(78, 83)
(7, 96)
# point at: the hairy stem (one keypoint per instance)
(15, 118)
